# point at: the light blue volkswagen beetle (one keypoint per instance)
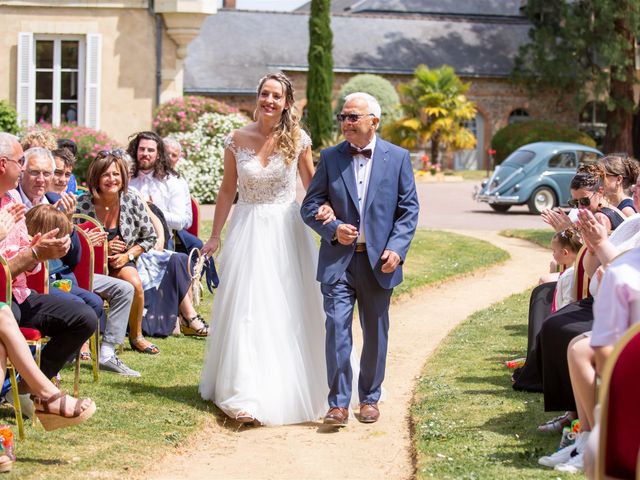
(537, 174)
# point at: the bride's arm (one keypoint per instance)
(305, 167)
(226, 194)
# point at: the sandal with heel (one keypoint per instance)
(151, 349)
(52, 420)
(246, 418)
(194, 326)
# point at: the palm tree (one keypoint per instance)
(435, 109)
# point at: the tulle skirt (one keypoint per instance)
(265, 354)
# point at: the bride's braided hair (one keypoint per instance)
(287, 131)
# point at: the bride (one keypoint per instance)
(265, 359)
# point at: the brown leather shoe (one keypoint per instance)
(369, 413)
(337, 416)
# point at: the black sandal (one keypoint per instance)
(150, 350)
(188, 329)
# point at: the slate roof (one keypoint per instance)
(435, 7)
(235, 48)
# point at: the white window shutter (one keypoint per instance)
(93, 74)
(26, 88)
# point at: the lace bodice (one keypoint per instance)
(274, 183)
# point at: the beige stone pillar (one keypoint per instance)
(183, 19)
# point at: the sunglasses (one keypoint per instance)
(584, 201)
(118, 153)
(352, 117)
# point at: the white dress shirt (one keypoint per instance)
(171, 195)
(362, 171)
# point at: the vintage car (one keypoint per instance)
(537, 174)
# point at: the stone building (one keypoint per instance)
(478, 39)
(104, 64)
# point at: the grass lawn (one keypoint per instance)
(139, 418)
(539, 236)
(468, 421)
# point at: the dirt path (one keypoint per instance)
(378, 451)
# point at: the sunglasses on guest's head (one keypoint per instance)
(584, 201)
(117, 152)
(352, 117)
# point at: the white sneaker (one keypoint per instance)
(574, 465)
(565, 454)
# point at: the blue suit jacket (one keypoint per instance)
(390, 213)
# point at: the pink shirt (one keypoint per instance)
(17, 241)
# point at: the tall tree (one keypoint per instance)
(320, 75)
(585, 49)
(435, 109)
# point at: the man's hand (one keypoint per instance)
(48, 247)
(97, 236)
(9, 216)
(391, 261)
(67, 204)
(346, 234)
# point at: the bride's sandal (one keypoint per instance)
(245, 418)
(53, 420)
(6, 449)
(194, 326)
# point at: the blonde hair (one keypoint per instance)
(44, 218)
(287, 131)
(39, 137)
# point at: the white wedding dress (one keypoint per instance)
(265, 355)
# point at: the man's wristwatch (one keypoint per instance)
(131, 257)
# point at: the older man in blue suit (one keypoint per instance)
(370, 185)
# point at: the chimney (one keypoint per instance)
(230, 4)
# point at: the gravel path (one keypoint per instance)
(376, 451)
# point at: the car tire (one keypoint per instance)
(540, 199)
(499, 207)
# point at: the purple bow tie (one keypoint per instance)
(353, 151)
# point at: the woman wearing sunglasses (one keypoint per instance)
(588, 191)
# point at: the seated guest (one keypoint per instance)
(616, 308)
(62, 174)
(155, 179)
(565, 246)
(132, 239)
(71, 146)
(38, 137)
(621, 174)
(117, 292)
(67, 326)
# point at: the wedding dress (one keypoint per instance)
(265, 355)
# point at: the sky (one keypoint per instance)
(272, 5)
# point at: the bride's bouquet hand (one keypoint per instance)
(211, 246)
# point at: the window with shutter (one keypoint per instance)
(26, 85)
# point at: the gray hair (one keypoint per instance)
(172, 142)
(372, 103)
(7, 143)
(40, 152)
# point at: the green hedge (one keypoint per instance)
(8, 118)
(513, 136)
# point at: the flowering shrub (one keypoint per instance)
(89, 142)
(179, 114)
(203, 149)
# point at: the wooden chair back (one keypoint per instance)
(580, 278)
(619, 440)
(85, 267)
(100, 253)
(194, 229)
(39, 281)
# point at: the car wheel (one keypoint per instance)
(542, 198)
(499, 208)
